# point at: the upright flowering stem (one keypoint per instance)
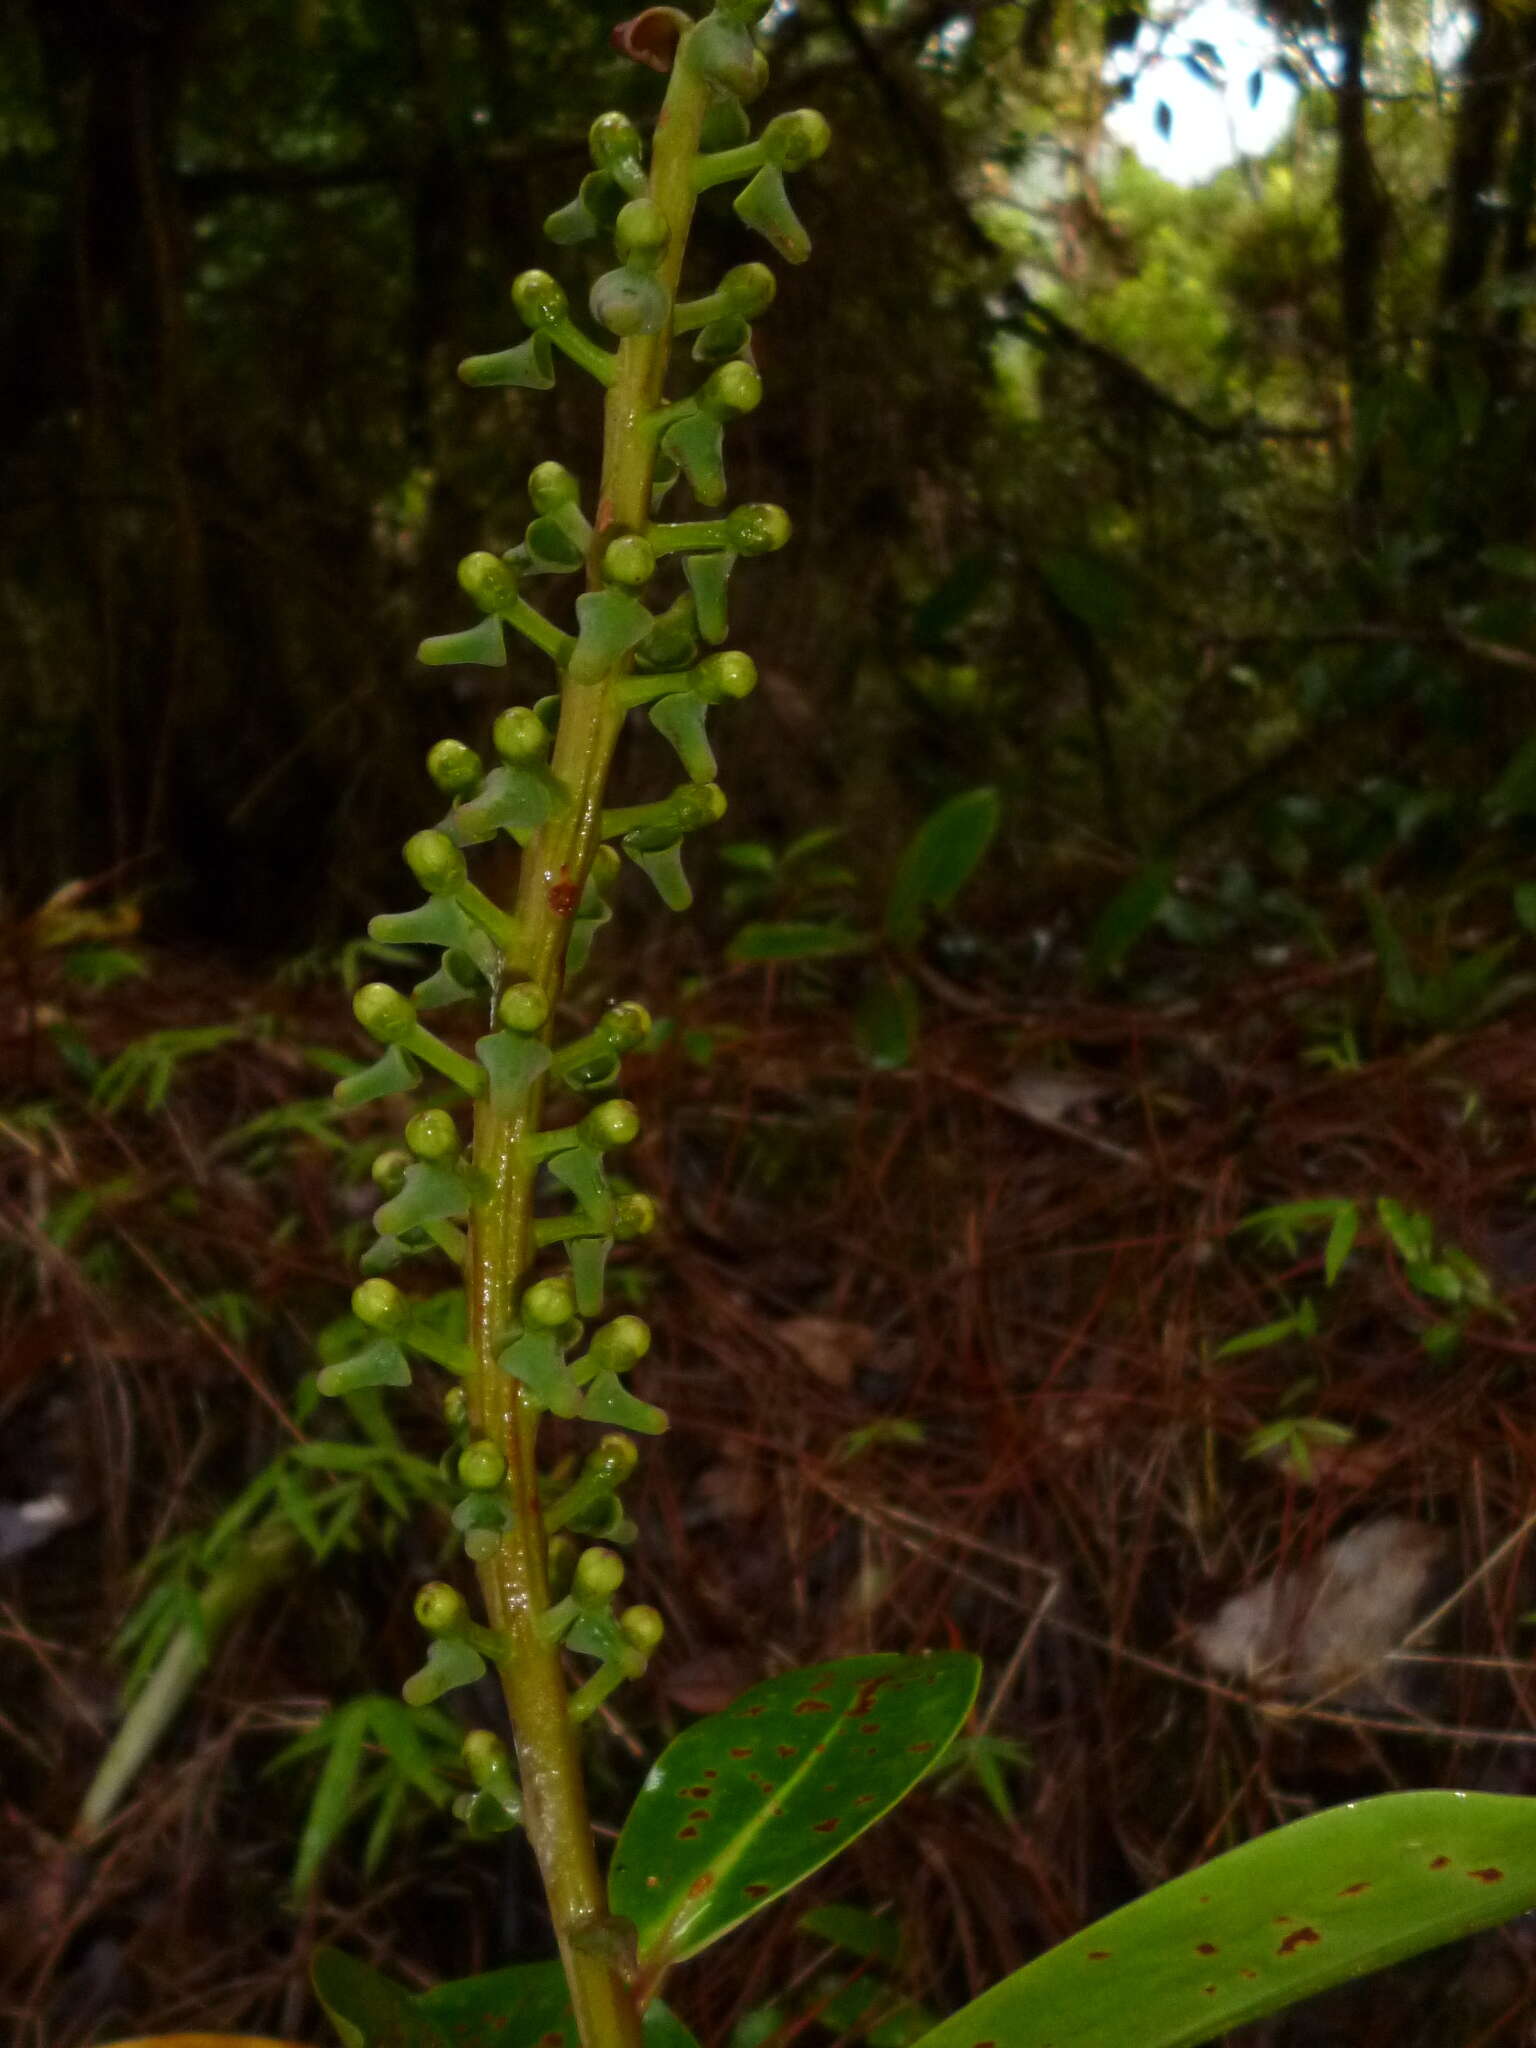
(554, 871)
(520, 1354)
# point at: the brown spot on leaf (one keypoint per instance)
(1491, 1875)
(697, 1792)
(741, 1752)
(1351, 1891)
(1206, 1948)
(1209, 1990)
(757, 1891)
(699, 1813)
(813, 1707)
(820, 1684)
(1251, 1976)
(1098, 1955)
(788, 1749)
(1440, 1863)
(687, 1834)
(869, 1727)
(750, 1713)
(918, 1748)
(651, 1883)
(825, 1827)
(701, 1884)
(866, 1696)
(709, 1774)
(865, 1799)
(1299, 1937)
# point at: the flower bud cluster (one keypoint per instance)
(628, 642)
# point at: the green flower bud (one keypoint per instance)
(432, 1134)
(551, 488)
(731, 391)
(455, 1407)
(436, 862)
(629, 561)
(384, 1013)
(625, 1026)
(793, 140)
(629, 301)
(610, 1124)
(641, 230)
(748, 289)
(520, 736)
(644, 1629)
(599, 1575)
(380, 1304)
(524, 1007)
(539, 300)
(453, 767)
(614, 141)
(622, 1343)
(757, 529)
(697, 804)
(614, 1459)
(388, 1171)
(633, 1216)
(440, 1609)
(482, 1467)
(483, 1753)
(549, 1303)
(732, 675)
(489, 581)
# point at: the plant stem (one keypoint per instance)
(514, 1581)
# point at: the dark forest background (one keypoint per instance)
(1199, 523)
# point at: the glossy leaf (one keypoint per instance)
(525, 2004)
(747, 1803)
(1308, 1906)
(940, 859)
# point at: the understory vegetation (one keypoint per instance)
(1090, 1111)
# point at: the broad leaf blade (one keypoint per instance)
(746, 1803)
(1326, 1899)
(528, 2003)
(368, 2009)
(940, 859)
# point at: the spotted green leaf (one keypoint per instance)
(1267, 1925)
(746, 1803)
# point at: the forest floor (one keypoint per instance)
(982, 1352)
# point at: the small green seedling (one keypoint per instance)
(513, 1192)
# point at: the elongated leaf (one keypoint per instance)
(746, 1803)
(330, 1808)
(796, 940)
(940, 859)
(523, 2005)
(1310, 1905)
(1125, 919)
